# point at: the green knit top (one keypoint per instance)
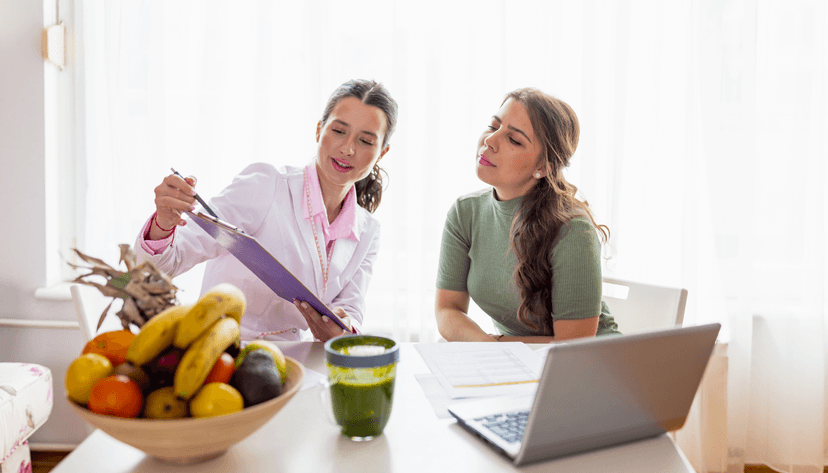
(476, 257)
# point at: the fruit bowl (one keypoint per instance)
(194, 439)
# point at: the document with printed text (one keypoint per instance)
(477, 369)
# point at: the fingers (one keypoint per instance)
(322, 327)
(340, 312)
(310, 315)
(182, 189)
(169, 211)
(315, 323)
(173, 196)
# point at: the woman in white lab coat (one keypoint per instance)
(316, 220)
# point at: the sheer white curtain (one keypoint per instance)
(702, 147)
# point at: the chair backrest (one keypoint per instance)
(89, 305)
(638, 306)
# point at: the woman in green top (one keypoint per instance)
(526, 249)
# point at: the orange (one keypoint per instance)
(113, 345)
(116, 395)
(223, 370)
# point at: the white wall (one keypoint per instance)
(23, 234)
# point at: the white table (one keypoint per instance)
(300, 438)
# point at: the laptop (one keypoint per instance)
(595, 393)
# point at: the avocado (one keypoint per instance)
(257, 378)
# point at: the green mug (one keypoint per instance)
(361, 374)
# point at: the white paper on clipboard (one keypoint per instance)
(252, 254)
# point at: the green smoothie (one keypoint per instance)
(362, 410)
(361, 374)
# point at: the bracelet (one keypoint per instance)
(155, 221)
(497, 337)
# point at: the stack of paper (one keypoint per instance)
(477, 369)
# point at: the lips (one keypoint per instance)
(341, 166)
(484, 162)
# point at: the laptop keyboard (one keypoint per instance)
(509, 427)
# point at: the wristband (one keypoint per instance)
(155, 221)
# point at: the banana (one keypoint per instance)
(156, 335)
(200, 357)
(223, 299)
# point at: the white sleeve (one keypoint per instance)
(352, 296)
(244, 203)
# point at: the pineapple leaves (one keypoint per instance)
(120, 282)
(144, 289)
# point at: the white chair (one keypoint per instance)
(89, 305)
(25, 405)
(638, 307)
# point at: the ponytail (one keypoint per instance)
(369, 189)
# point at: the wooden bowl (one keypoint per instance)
(192, 440)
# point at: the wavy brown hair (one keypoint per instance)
(368, 189)
(549, 206)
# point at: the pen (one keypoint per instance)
(198, 198)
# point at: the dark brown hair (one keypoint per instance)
(549, 206)
(369, 189)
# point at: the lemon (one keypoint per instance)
(83, 373)
(216, 399)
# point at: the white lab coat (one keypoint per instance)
(266, 202)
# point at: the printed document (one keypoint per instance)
(477, 369)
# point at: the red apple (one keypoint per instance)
(162, 368)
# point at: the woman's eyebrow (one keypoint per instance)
(347, 125)
(512, 128)
(520, 131)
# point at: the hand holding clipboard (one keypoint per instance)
(258, 260)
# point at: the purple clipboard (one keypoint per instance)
(252, 254)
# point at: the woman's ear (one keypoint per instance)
(318, 130)
(382, 153)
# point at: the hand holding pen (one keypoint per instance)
(197, 197)
(173, 196)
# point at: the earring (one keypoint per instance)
(537, 175)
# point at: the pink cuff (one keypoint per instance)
(155, 247)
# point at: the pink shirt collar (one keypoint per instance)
(343, 224)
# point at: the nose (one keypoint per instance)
(347, 148)
(491, 141)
